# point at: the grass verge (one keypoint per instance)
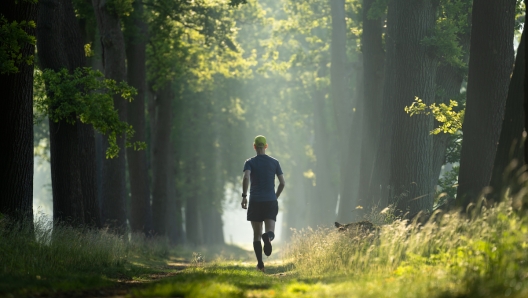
(42, 259)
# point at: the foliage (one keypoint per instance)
(448, 184)
(13, 36)
(85, 95)
(520, 15)
(121, 8)
(446, 114)
(194, 38)
(378, 9)
(237, 2)
(452, 23)
(88, 51)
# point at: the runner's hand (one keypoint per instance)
(244, 203)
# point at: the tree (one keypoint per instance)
(379, 188)
(509, 157)
(490, 66)
(16, 123)
(161, 167)
(414, 75)
(136, 39)
(340, 97)
(452, 43)
(114, 190)
(348, 121)
(72, 146)
(373, 80)
(525, 104)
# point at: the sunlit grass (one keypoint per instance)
(451, 256)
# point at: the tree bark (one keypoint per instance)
(75, 38)
(114, 184)
(412, 144)
(373, 80)
(160, 158)
(490, 66)
(349, 207)
(337, 68)
(509, 157)
(379, 188)
(214, 192)
(16, 125)
(193, 216)
(140, 211)
(174, 206)
(72, 147)
(324, 199)
(87, 167)
(525, 104)
(338, 92)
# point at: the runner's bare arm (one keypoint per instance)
(281, 185)
(245, 186)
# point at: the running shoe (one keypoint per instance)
(267, 244)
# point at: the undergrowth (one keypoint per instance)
(449, 256)
(42, 257)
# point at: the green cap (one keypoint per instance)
(260, 141)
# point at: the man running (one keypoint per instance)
(263, 206)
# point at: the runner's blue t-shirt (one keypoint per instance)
(263, 170)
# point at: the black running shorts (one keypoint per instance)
(259, 211)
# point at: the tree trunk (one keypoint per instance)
(72, 147)
(349, 207)
(114, 186)
(373, 80)
(174, 205)
(16, 125)
(324, 199)
(85, 132)
(490, 66)
(412, 144)
(214, 192)
(379, 188)
(509, 158)
(160, 158)
(525, 104)
(140, 211)
(91, 36)
(193, 216)
(87, 167)
(338, 82)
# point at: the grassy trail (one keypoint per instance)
(452, 256)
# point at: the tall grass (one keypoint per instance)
(46, 255)
(479, 256)
(44, 249)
